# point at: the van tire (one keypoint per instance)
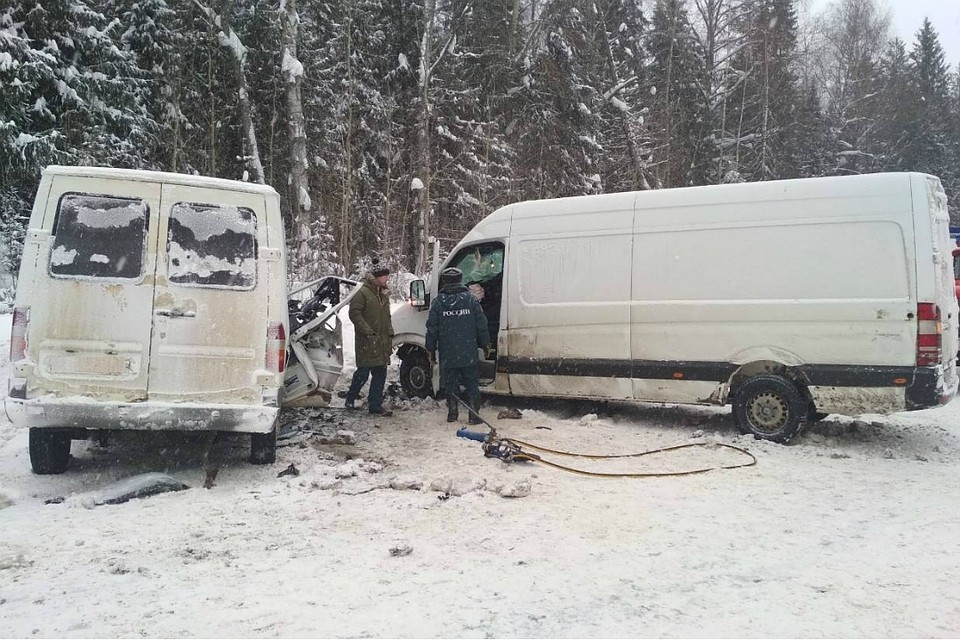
(416, 374)
(770, 407)
(813, 415)
(263, 447)
(49, 451)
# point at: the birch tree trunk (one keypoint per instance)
(299, 179)
(423, 151)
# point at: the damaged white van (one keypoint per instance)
(787, 299)
(148, 300)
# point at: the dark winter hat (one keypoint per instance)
(450, 276)
(377, 269)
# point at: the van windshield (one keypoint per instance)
(212, 245)
(98, 237)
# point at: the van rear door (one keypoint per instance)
(92, 313)
(210, 301)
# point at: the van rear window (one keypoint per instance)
(99, 237)
(211, 245)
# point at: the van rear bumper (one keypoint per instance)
(146, 416)
(928, 390)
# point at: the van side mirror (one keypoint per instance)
(419, 298)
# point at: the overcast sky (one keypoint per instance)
(907, 17)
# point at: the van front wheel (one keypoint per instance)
(263, 447)
(770, 407)
(416, 374)
(49, 450)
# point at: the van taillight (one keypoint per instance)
(276, 347)
(18, 333)
(929, 330)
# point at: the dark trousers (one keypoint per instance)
(378, 377)
(469, 377)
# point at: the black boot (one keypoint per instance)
(475, 414)
(453, 411)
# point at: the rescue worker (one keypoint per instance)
(373, 339)
(457, 327)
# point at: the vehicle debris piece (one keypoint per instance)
(289, 471)
(139, 486)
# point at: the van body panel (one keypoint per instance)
(566, 281)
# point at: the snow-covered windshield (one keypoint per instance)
(212, 245)
(99, 237)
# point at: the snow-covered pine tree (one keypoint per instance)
(927, 144)
(764, 104)
(558, 142)
(619, 78)
(678, 123)
(854, 36)
(715, 26)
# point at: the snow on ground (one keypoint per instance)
(851, 531)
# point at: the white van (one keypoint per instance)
(148, 300)
(787, 299)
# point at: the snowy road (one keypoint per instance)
(851, 531)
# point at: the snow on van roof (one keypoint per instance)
(159, 176)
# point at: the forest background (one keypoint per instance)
(384, 122)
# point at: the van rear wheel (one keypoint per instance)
(49, 450)
(416, 374)
(770, 407)
(263, 447)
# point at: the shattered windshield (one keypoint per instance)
(99, 237)
(212, 246)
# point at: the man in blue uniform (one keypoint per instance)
(457, 327)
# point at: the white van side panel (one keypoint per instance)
(569, 288)
(88, 337)
(798, 281)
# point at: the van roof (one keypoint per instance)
(160, 176)
(872, 184)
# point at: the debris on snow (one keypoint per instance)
(341, 437)
(289, 471)
(458, 487)
(519, 489)
(587, 419)
(401, 549)
(5, 501)
(697, 434)
(406, 483)
(139, 486)
(348, 469)
(509, 414)
(888, 454)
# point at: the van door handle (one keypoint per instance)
(176, 313)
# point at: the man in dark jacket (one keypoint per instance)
(373, 339)
(457, 327)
